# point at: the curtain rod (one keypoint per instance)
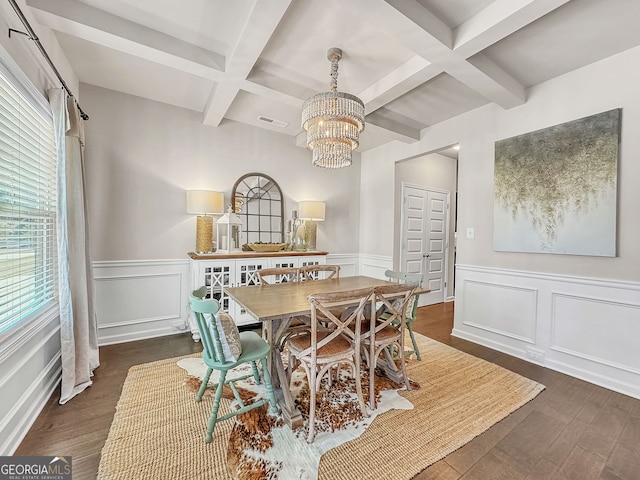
(31, 35)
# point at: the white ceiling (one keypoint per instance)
(414, 63)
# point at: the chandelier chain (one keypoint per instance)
(333, 83)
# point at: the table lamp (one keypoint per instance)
(311, 212)
(205, 204)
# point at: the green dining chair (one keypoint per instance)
(219, 354)
(412, 305)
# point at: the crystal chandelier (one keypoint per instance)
(333, 121)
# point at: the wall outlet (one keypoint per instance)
(535, 355)
(182, 326)
(471, 233)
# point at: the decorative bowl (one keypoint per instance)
(267, 247)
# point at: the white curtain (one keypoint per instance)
(78, 323)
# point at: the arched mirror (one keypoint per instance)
(258, 201)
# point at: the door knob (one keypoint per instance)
(427, 255)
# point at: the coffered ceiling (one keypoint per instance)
(414, 63)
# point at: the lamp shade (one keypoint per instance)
(203, 202)
(311, 210)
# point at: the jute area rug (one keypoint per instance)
(158, 429)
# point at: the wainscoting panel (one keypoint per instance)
(348, 263)
(584, 327)
(141, 299)
(576, 329)
(30, 371)
(505, 310)
(374, 265)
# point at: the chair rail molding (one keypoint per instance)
(584, 327)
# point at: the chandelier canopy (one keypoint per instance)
(333, 121)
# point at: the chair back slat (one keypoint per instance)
(406, 277)
(395, 298)
(268, 276)
(319, 272)
(324, 316)
(208, 329)
(403, 277)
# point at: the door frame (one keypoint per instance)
(403, 220)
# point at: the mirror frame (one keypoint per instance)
(272, 186)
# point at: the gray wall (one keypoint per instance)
(142, 156)
(610, 83)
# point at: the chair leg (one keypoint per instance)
(413, 341)
(372, 375)
(216, 405)
(203, 387)
(269, 385)
(312, 405)
(357, 377)
(403, 365)
(256, 375)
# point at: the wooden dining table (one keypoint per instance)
(274, 306)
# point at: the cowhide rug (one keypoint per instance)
(261, 446)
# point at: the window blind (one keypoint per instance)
(28, 264)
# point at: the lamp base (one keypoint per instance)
(204, 234)
(312, 232)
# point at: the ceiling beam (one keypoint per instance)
(102, 28)
(403, 79)
(406, 21)
(497, 21)
(489, 80)
(261, 22)
(271, 93)
(391, 128)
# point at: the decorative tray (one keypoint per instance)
(267, 247)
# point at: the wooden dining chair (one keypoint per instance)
(382, 332)
(412, 306)
(218, 339)
(323, 348)
(268, 276)
(319, 272)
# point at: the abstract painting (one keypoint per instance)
(555, 189)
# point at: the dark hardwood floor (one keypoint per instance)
(572, 430)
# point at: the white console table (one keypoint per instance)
(221, 271)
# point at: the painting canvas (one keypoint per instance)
(555, 189)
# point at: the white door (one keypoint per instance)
(424, 239)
